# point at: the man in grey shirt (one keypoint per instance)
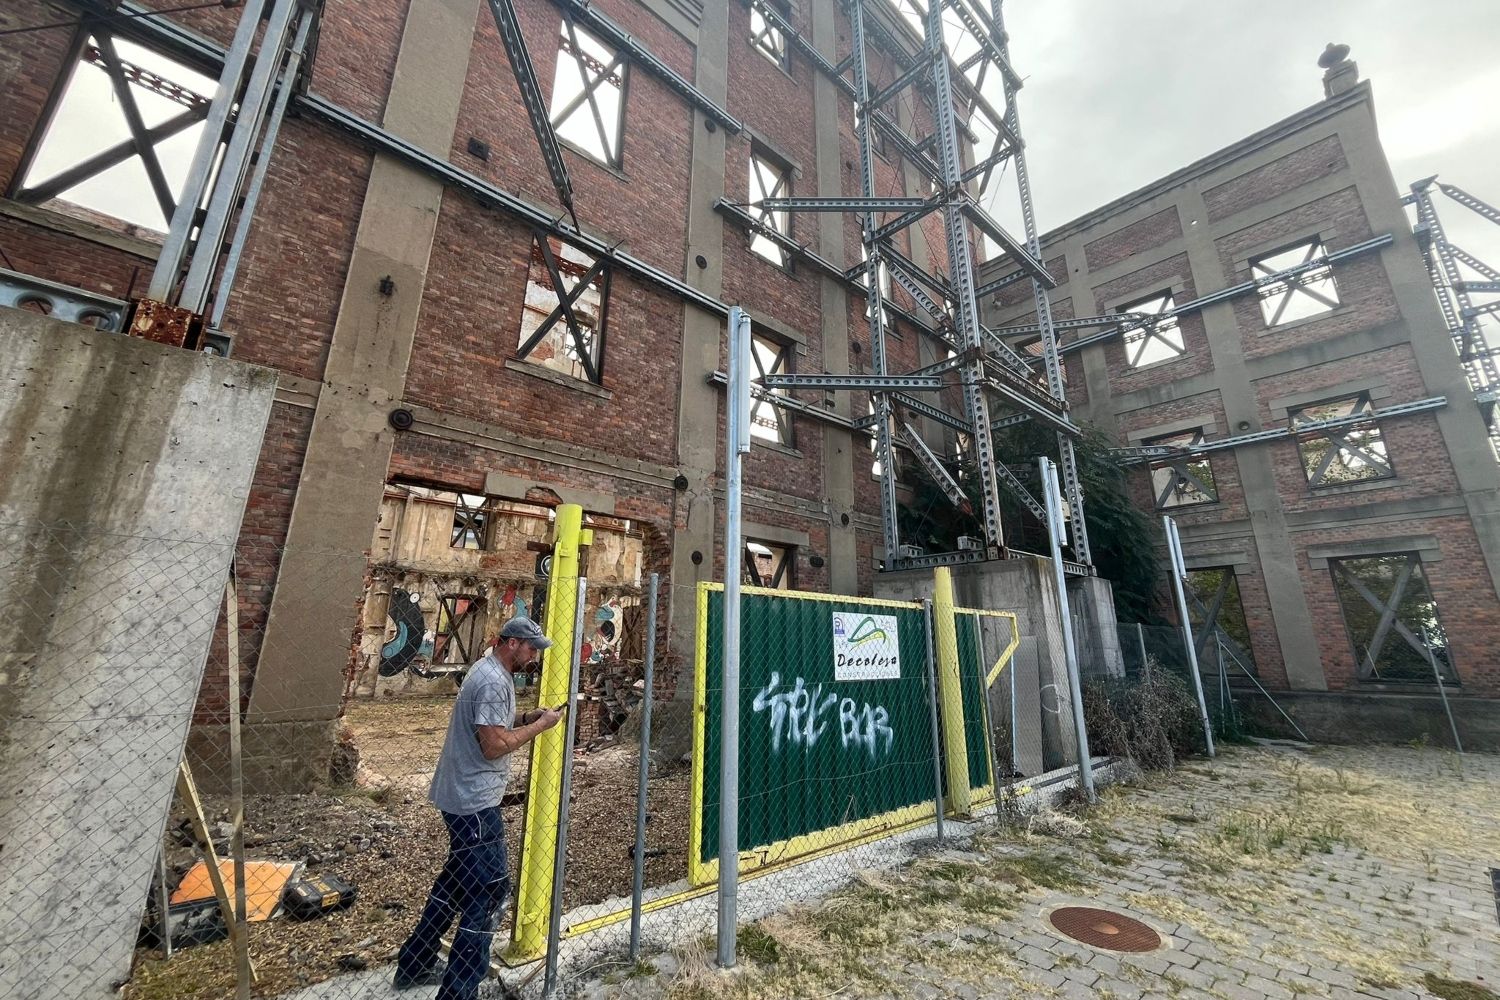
(470, 779)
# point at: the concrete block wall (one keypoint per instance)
(1321, 172)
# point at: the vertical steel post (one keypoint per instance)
(950, 690)
(961, 274)
(643, 771)
(1437, 675)
(984, 706)
(738, 444)
(884, 453)
(163, 906)
(932, 711)
(1015, 724)
(180, 228)
(1179, 573)
(1140, 639)
(1066, 455)
(565, 794)
(244, 974)
(1052, 498)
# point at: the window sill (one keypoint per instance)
(1156, 364)
(1200, 505)
(1342, 310)
(107, 231)
(591, 158)
(1385, 482)
(546, 374)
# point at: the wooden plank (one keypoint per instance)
(244, 972)
(187, 790)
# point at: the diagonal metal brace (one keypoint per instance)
(935, 469)
(531, 96)
(1020, 490)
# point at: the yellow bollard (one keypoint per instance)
(950, 695)
(539, 841)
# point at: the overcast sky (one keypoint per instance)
(1121, 92)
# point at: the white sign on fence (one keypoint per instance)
(865, 647)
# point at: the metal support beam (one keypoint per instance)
(869, 383)
(531, 96)
(935, 469)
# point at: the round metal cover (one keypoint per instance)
(1104, 929)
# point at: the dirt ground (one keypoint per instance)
(382, 836)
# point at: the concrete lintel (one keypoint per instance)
(777, 535)
(500, 484)
(1375, 385)
(1426, 546)
(1207, 422)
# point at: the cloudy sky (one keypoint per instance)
(1121, 92)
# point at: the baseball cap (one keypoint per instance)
(521, 627)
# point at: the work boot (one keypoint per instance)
(431, 977)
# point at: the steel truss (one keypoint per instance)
(1456, 291)
(990, 374)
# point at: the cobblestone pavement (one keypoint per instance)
(1272, 872)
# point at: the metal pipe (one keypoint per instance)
(984, 705)
(644, 772)
(163, 912)
(1052, 493)
(1178, 573)
(1261, 688)
(560, 854)
(1442, 691)
(244, 972)
(1140, 639)
(932, 711)
(737, 402)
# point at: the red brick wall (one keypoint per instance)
(1147, 234)
(1319, 159)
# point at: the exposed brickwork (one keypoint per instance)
(1138, 237)
(1318, 159)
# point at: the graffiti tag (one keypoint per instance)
(801, 714)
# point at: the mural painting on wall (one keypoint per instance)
(405, 612)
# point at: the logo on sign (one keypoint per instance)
(865, 647)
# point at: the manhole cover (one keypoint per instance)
(1104, 929)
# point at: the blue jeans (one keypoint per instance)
(473, 885)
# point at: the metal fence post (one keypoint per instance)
(1053, 497)
(1442, 691)
(1179, 572)
(738, 426)
(644, 771)
(937, 736)
(989, 725)
(1140, 639)
(560, 854)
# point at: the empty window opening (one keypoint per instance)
(1338, 456)
(458, 637)
(768, 39)
(122, 135)
(563, 319)
(1182, 480)
(1159, 338)
(769, 180)
(588, 95)
(471, 521)
(768, 420)
(768, 565)
(1217, 612)
(1298, 296)
(1392, 619)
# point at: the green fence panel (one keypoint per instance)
(971, 674)
(820, 747)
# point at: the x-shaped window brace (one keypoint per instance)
(1153, 329)
(1388, 618)
(588, 349)
(455, 621)
(1340, 439)
(1181, 473)
(594, 74)
(780, 365)
(469, 518)
(778, 569)
(1210, 623)
(1293, 285)
(770, 40)
(764, 216)
(141, 144)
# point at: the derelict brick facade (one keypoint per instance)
(1318, 174)
(482, 414)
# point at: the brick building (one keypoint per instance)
(406, 254)
(1320, 544)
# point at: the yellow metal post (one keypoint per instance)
(950, 694)
(539, 843)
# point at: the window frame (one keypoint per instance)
(1180, 471)
(1290, 290)
(756, 192)
(471, 519)
(597, 275)
(1339, 437)
(779, 55)
(1210, 615)
(783, 363)
(587, 97)
(1153, 330)
(783, 573)
(1366, 669)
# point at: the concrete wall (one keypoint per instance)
(1387, 718)
(126, 469)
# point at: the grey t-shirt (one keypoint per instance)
(465, 783)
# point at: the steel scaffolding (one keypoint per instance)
(999, 386)
(1467, 302)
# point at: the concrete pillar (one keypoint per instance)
(697, 438)
(300, 677)
(1273, 540)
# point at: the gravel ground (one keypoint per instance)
(383, 837)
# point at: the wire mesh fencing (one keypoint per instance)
(231, 771)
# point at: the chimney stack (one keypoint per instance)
(1340, 73)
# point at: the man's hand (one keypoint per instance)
(549, 717)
